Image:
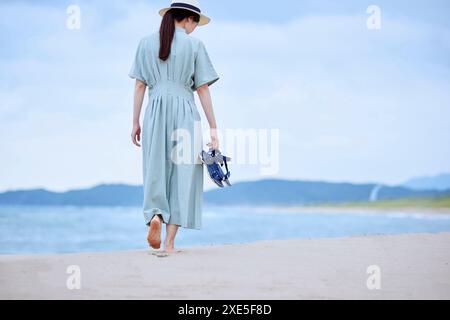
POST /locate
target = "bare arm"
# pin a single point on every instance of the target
(205, 98)
(139, 91)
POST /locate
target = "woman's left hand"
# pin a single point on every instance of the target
(136, 134)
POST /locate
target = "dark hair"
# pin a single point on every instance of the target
(167, 29)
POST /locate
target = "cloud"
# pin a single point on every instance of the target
(350, 103)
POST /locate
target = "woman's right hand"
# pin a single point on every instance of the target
(136, 134)
(214, 144)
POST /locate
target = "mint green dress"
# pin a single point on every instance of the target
(171, 136)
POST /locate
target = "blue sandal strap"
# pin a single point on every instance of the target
(226, 166)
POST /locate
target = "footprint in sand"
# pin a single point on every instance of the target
(160, 254)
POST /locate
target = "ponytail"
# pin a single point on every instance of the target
(167, 29)
(166, 33)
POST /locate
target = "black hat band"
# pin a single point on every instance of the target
(185, 5)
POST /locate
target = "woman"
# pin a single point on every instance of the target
(173, 64)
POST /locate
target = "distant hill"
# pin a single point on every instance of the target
(261, 192)
(104, 194)
(437, 182)
(275, 191)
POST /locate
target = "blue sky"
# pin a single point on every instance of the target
(351, 104)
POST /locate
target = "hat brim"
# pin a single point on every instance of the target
(203, 19)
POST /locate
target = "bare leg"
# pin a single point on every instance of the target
(169, 242)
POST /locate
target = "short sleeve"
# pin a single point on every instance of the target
(204, 72)
(137, 68)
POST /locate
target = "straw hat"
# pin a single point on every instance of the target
(191, 5)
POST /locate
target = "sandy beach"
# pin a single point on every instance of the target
(409, 266)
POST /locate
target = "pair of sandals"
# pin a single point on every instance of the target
(212, 158)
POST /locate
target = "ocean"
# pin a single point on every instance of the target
(64, 229)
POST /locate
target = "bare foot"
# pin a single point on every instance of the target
(172, 250)
(154, 232)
